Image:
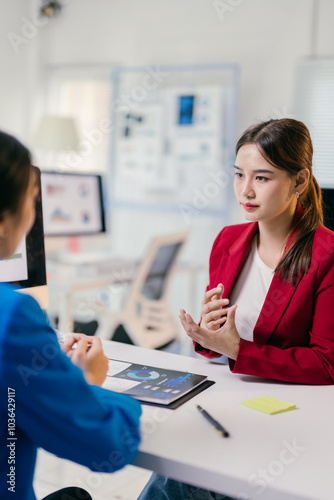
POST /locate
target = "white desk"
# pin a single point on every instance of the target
(285, 456)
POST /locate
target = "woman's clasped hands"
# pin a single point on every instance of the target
(217, 330)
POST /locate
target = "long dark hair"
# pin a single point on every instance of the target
(286, 144)
(15, 171)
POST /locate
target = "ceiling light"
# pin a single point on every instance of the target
(50, 9)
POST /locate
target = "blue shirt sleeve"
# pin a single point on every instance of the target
(55, 406)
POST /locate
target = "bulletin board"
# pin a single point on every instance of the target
(174, 133)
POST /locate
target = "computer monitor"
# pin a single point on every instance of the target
(328, 207)
(26, 268)
(72, 204)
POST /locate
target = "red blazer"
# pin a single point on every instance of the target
(294, 334)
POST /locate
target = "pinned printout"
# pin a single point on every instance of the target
(269, 405)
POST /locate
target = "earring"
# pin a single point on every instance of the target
(297, 194)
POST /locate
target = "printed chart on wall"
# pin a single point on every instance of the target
(166, 151)
(150, 384)
(15, 267)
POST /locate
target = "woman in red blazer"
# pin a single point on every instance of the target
(293, 336)
(283, 259)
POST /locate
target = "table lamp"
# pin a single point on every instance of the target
(54, 137)
(56, 133)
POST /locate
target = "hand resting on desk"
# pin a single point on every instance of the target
(88, 355)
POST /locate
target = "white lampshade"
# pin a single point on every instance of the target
(56, 133)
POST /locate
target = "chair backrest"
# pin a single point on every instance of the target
(146, 315)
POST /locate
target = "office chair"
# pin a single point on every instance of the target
(146, 319)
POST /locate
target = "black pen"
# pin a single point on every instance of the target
(214, 422)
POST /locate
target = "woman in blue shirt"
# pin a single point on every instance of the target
(49, 398)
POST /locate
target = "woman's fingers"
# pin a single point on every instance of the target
(68, 344)
(214, 305)
(82, 347)
(190, 327)
(214, 293)
(184, 317)
(95, 346)
(231, 314)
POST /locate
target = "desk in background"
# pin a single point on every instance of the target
(108, 274)
(67, 278)
(285, 456)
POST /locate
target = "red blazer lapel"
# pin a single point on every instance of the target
(279, 293)
(277, 300)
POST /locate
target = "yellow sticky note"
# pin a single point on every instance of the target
(269, 405)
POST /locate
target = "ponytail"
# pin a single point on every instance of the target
(309, 215)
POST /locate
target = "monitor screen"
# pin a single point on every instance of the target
(26, 268)
(72, 204)
(328, 207)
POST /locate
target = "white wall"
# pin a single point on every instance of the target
(266, 37)
(13, 112)
(21, 85)
(325, 39)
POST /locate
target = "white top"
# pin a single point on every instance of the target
(250, 292)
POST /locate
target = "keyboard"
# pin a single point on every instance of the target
(94, 257)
